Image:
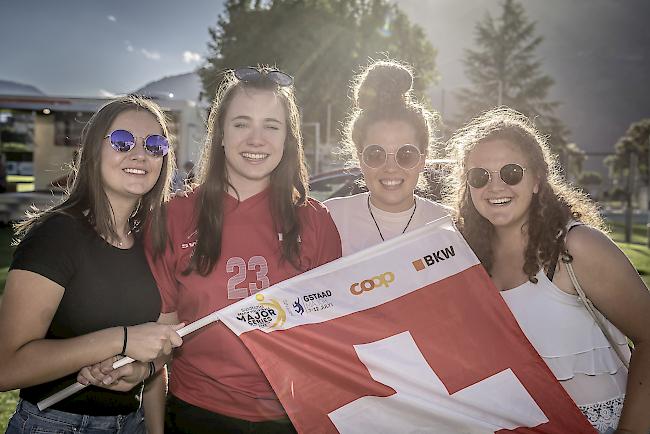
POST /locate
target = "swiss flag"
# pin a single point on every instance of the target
(410, 336)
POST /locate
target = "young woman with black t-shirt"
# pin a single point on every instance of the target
(79, 288)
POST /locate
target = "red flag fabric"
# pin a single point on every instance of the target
(410, 336)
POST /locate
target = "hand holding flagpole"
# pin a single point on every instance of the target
(74, 388)
(190, 328)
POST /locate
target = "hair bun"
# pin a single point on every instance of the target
(383, 83)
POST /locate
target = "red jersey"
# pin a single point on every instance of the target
(213, 369)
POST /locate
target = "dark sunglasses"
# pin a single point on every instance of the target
(249, 73)
(407, 156)
(124, 141)
(511, 174)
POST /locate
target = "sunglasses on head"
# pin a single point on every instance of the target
(250, 73)
(154, 144)
(511, 174)
(407, 156)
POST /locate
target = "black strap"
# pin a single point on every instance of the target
(551, 268)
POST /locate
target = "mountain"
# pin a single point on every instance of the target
(183, 86)
(13, 88)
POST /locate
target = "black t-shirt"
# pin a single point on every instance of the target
(104, 287)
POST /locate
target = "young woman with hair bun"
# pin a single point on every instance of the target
(389, 134)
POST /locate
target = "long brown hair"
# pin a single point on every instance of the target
(551, 208)
(383, 91)
(85, 195)
(289, 180)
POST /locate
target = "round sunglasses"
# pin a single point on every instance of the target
(154, 144)
(511, 174)
(250, 73)
(407, 156)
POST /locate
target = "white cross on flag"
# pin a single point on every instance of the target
(410, 336)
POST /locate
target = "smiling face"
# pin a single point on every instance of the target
(391, 187)
(503, 205)
(127, 176)
(254, 132)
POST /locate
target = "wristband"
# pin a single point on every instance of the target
(126, 338)
(152, 369)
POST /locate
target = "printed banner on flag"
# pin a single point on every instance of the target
(410, 336)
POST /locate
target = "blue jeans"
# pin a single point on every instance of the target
(29, 419)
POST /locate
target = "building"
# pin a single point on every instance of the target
(40, 134)
(45, 131)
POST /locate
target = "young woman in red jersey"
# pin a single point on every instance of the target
(247, 226)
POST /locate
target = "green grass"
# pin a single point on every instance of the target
(639, 255)
(639, 233)
(637, 251)
(8, 403)
(8, 400)
(6, 235)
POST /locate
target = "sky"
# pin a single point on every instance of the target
(597, 51)
(96, 48)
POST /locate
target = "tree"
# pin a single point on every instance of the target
(590, 177)
(572, 158)
(321, 42)
(636, 140)
(504, 70)
(590, 180)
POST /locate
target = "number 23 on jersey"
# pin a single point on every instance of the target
(236, 287)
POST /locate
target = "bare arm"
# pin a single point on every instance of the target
(125, 378)
(26, 358)
(613, 285)
(155, 390)
(153, 401)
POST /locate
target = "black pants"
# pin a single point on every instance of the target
(184, 418)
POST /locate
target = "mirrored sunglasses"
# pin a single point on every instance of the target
(407, 156)
(250, 73)
(154, 144)
(511, 174)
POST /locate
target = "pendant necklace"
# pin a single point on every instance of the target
(415, 206)
(120, 243)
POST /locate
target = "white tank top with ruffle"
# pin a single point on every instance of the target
(575, 349)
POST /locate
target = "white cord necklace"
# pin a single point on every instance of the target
(415, 206)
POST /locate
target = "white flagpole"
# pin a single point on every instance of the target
(74, 388)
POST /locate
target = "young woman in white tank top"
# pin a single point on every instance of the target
(515, 212)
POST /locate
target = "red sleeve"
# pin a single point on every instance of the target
(165, 265)
(328, 241)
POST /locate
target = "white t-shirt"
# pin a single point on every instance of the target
(357, 229)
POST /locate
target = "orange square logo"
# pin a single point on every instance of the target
(418, 265)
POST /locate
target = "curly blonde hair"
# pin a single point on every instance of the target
(551, 208)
